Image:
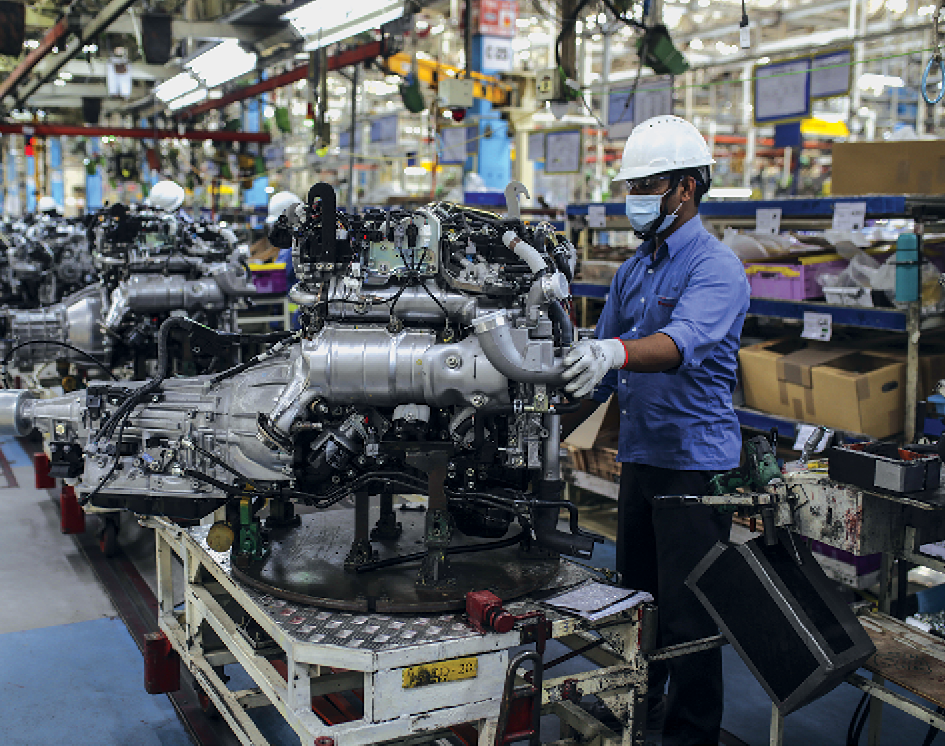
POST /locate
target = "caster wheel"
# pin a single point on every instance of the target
(108, 541)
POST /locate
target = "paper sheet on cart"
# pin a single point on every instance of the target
(935, 550)
(593, 600)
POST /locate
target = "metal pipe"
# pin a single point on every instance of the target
(335, 62)
(354, 129)
(45, 130)
(88, 31)
(52, 37)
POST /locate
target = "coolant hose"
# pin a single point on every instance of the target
(495, 338)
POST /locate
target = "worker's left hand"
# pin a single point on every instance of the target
(588, 362)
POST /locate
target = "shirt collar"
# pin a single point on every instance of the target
(677, 239)
(684, 234)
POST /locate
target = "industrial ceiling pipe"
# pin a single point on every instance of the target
(85, 32)
(53, 37)
(138, 133)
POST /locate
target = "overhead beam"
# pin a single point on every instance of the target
(87, 31)
(138, 133)
(53, 37)
(99, 69)
(335, 62)
(202, 29)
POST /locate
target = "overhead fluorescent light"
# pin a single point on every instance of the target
(324, 22)
(188, 99)
(176, 86)
(224, 62)
(729, 193)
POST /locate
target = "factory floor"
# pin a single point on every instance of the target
(70, 671)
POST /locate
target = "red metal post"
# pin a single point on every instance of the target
(161, 664)
(71, 515)
(41, 470)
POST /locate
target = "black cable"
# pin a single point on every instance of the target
(466, 549)
(856, 715)
(222, 464)
(98, 488)
(566, 23)
(92, 358)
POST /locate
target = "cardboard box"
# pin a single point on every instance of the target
(900, 167)
(931, 364)
(855, 391)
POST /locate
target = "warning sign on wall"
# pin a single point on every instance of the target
(497, 17)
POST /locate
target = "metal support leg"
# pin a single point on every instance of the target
(876, 715)
(387, 526)
(885, 582)
(361, 551)
(776, 737)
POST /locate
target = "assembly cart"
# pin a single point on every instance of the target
(416, 675)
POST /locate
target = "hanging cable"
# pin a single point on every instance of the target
(937, 58)
(9, 355)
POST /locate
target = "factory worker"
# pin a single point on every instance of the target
(667, 345)
(47, 206)
(166, 195)
(280, 202)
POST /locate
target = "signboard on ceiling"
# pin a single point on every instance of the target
(453, 145)
(626, 109)
(497, 54)
(536, 146)
(564, 151)
(497, 17)
(384, 130)
(830, 73)
(781, 91)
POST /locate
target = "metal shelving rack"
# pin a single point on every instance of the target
(798, 213)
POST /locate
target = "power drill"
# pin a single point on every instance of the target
(759, 470)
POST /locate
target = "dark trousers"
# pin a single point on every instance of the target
(657, 548)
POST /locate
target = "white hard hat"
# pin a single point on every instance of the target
(278, 204)
(166, 195)
(661, 144)
(46, 204)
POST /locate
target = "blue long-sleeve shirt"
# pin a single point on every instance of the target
(694, 290)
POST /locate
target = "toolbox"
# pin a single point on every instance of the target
(885, 466)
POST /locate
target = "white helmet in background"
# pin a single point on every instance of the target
(47, 204)
(166, 195)
(278, 204)
(662, 144)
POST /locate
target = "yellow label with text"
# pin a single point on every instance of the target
(456, 669)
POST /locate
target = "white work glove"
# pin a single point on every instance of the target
(588, 362)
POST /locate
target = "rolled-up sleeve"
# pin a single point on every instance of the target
(716, 293)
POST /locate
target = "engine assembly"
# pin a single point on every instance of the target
(43, 261)
(149, 264)
(429, 362)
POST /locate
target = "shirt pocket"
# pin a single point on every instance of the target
(660, 312)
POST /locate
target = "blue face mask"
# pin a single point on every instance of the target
(643, 210)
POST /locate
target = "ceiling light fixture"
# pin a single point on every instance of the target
(223, 62)
(177, 86)
(324, 22)
(188, 99)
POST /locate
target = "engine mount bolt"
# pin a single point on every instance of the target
(453, 362)
(477, 400)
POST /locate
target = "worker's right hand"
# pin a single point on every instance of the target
(589, 361)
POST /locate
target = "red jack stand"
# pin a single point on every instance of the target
(41, 470)
(71, 515)
(161, 664)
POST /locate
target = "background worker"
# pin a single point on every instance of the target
(667, 344)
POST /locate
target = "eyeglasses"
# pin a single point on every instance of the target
(646, 184)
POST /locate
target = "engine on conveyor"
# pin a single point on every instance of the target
(146, 265)
(429, 362)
